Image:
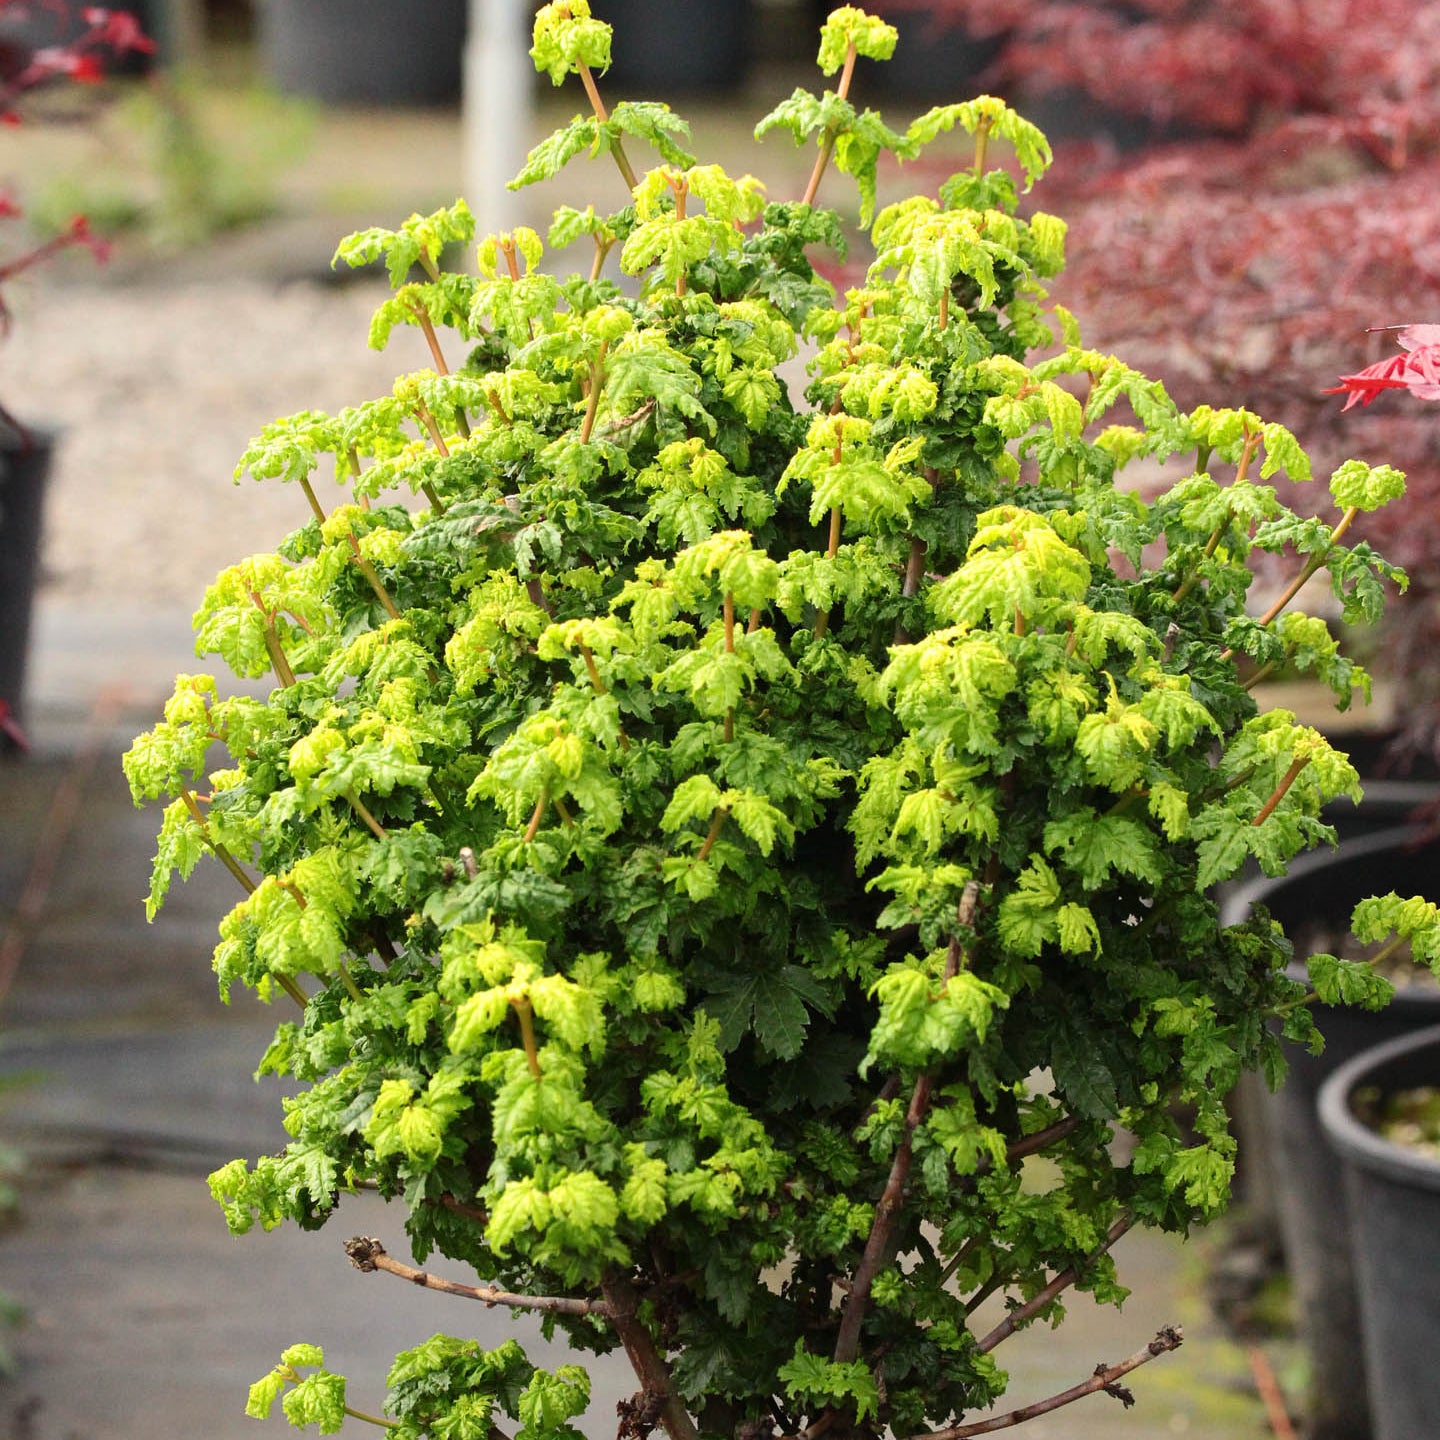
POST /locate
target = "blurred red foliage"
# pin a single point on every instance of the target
(1287, 204)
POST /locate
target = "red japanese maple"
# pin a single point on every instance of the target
(104, 34)
(78, 55)
(1289, 195)
(1416, 369)
(1222, 66)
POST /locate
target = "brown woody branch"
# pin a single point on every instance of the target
(1066, 1278)
(879, 1247)
(1106, 1378)
(367, 1253)
(1042, 1139)
(1018, 1150)
(622, 1306)
(459, 1207)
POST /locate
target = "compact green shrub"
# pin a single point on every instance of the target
(719, 837)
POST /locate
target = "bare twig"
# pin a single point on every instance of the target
(459, 1207)
(367, 1253)
(1106, 1378)
(1063, 1281)
(1042, 1139)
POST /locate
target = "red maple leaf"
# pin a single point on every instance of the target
(87, 69)
(1416, 370)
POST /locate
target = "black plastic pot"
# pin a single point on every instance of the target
(935, 59)
(665, 48)
(1394, 1197)
(374, 52)
(1300, 1166)
(24, 468)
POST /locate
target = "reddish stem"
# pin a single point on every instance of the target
(1286, 781)
(717, 823)
(627, 173)
(827, 146)
(427, 329)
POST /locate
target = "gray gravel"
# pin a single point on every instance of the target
(156, 390)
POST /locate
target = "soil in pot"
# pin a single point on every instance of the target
(1394, 1200)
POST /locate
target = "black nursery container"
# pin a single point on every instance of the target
(665, 48)
(1394, 1199)
(1323, 887)
(24, 468)
(365, 52)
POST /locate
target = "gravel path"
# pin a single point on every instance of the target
(156, 389)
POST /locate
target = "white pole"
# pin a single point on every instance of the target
(497, 109)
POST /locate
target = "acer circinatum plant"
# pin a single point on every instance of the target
(715, 843)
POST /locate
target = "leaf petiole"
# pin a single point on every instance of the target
(827, 145)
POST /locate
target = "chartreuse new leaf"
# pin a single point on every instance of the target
(566, 36)
(1414, 920)
(849, 25)
(1364, 487)
(991, 116)
(419, 241)
(1017, 569)
(317, 1398)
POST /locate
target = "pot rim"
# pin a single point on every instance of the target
(1237, 904)
(41, 434)
(1356, 1143)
